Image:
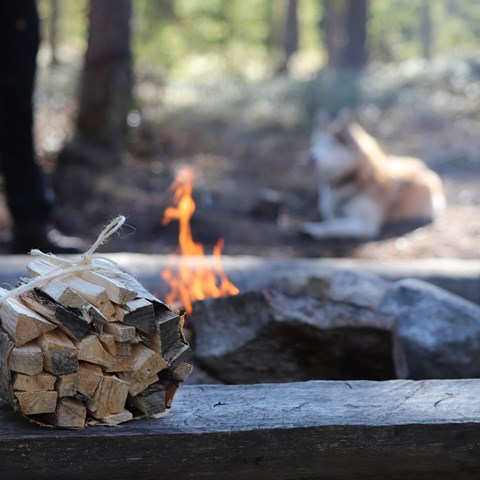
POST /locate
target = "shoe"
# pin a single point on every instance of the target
(27, 236)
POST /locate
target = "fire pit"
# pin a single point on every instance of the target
(340, 429)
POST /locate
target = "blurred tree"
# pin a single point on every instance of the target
(106, 81)
(105, 96)
(333, 30)
(344, 28)
(426, 30)
(355, 53)
(53, 31)
(290, 34)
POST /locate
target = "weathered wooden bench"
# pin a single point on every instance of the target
(311, 430)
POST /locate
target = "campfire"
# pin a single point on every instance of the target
(207, 279)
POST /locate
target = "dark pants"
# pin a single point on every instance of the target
(24, 183)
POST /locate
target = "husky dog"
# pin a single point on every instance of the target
(361, 187)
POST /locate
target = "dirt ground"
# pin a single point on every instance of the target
(248, 147)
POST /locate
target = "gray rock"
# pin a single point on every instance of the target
(265, 336)
(361, 288)
(439, 331)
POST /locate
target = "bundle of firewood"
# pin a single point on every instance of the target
(89, 346)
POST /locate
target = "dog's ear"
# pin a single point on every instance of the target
(343, 134)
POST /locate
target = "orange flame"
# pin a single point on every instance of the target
(189, 284)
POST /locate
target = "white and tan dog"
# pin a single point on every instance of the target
(361, 187)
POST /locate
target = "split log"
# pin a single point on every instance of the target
(20, 322)
(69, 413)
(150, 401)
(109, 397)
(34, 403)
(67, 385)
(135, 385)
(60, 355)
(95, 294)
(91, 350)
(27, 359)
(139, 313)
(89, 377)
(120, 331)
(74, 325)
(34, 383)
(268, 337)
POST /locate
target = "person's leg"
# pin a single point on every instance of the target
(24, 185)
(26, 192)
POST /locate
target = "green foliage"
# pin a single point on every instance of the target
(191, 38)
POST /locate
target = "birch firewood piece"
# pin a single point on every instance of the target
(34, 403)
(89, 377)
(117, 418)
(67, 385)
(74, 325)
(69, 413)
(88, 347)
(95, 294)
(60, 356)
(34, 383)
(91, 350)
(20, 322)
(117, 292)
(109, 397)
(139, 313)
(27, 359)
(120, 331)
(151, 401)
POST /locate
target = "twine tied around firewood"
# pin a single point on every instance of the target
(66, 266)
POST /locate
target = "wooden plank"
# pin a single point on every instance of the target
(400, 430)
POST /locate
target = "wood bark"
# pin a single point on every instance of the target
(357, 430)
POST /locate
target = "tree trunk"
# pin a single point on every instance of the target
(333, 30)
(104, 100)
(426, 30)
(355, 54)
(52, 32)
(106, 82)
(290, 34)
